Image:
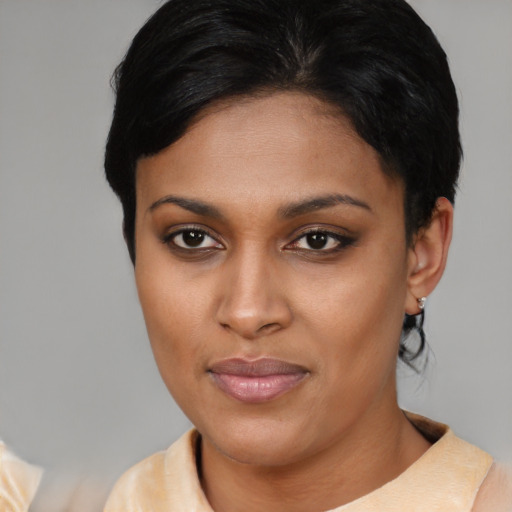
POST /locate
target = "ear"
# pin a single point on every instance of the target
(428, 254)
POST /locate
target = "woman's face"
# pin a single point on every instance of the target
(272, 267)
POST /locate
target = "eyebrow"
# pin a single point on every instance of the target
(192, 205)
(318, 203)
(288, 211)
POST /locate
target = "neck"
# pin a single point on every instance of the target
(376, 450)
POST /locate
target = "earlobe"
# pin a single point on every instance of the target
(428, 255)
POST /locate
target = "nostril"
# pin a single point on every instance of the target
(268, 328)
(250, 331)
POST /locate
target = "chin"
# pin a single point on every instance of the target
(266, 443)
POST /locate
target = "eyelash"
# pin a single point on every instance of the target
(169, 239)
(342, 241)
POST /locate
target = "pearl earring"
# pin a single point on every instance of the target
(421, 302)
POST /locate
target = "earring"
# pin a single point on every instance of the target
(413, 322)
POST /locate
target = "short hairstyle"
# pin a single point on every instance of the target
(375, 60)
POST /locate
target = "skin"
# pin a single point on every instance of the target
(256, 288)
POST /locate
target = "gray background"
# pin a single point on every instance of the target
(79, 391)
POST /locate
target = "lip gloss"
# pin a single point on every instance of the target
(256, 381)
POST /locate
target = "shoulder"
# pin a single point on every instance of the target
(495, 493)
(18, 482)
(164, 481)
(138, 488)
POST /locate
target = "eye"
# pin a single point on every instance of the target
(192, 239)
(321, 241)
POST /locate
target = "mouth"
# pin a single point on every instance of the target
(256, 381)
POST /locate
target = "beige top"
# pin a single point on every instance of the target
(446, 478)
(18, 482)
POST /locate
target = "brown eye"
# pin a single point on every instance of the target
(317, 240)
(194, 239)
(321, 242)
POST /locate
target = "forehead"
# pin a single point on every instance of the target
(280, 147)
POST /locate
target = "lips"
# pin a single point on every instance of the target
(256, 381)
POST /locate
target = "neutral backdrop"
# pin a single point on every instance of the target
(79, 391)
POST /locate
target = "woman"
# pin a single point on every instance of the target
(287, 170)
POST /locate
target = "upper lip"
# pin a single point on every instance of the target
(256, 368)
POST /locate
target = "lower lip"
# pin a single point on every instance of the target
(256, 389)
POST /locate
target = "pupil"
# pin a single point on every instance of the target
(193, 238)
(317, 240)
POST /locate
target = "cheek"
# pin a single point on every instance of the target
(174, 313)
(356, 313)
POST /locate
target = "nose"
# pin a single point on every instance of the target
(253, 299)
